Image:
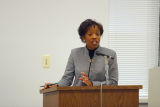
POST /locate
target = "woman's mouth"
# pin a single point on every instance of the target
(94, 42)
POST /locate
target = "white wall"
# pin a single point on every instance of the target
(32, 28)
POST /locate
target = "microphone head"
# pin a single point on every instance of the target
(101, 54)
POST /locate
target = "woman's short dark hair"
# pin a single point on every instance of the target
(83, 28)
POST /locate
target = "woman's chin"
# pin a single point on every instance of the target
(94, 46)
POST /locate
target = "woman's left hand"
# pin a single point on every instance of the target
(85, 79)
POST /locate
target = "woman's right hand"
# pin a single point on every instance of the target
(85, 79)
(47, 86)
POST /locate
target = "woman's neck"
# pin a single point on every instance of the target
(91, 52)
(91, 49)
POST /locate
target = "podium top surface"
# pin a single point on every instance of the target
(80, 88)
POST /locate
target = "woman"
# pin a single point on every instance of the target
(91, 65)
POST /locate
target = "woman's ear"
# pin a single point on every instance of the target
(83, 39)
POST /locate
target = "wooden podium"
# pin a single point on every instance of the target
(95, 96)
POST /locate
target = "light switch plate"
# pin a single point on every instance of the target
(46, 61)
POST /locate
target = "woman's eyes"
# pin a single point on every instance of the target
(97, 34)
(90, 34)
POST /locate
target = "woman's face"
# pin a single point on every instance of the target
(92, 37)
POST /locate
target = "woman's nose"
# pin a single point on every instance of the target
(94, 36)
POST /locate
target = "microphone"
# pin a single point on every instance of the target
(49, 85)
(101, 54)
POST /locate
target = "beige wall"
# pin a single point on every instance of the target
(154, 88)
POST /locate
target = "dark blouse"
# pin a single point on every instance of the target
(91, 53)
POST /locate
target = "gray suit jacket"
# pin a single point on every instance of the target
(79, 61)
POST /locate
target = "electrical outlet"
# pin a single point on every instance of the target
(46, 61)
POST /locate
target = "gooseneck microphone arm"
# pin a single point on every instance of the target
(101, 54)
